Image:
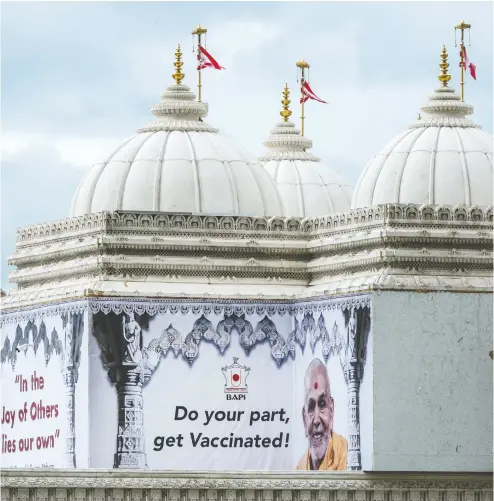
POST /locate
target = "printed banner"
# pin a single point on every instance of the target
(183, 385)
(43, 382)
(231, 387)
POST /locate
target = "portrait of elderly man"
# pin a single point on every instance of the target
(327, 450)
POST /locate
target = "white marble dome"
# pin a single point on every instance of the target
(443, 158)
(307, 187)
(178, 163)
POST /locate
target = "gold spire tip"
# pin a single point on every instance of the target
(302, 64)
(178, 76)
(199, 30)
(444, 77)
(285, 112)
(463, 26)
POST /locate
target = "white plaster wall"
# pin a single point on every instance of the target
(433, 381)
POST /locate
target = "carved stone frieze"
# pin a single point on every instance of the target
(346, 485)
(110, 221)
(387, 246)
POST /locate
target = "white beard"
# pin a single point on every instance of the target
(319, 447)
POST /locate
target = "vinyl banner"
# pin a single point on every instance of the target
(43, 381)
(231, 387)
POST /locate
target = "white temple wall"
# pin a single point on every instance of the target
(433, 381)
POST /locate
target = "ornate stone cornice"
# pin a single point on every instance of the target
(356, 250)
(225, 485)
(444, 122)
(288, 155)
(275, 226)
(445, 109)
(285, 138)
(178, 125)
(178, 110)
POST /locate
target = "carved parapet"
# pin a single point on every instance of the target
(151, 221)
(22, 485)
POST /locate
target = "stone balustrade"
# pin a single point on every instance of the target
(132, 485)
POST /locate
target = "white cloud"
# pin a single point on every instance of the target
(239, 37)
(12, 144)
(78, 152)
(84, 152)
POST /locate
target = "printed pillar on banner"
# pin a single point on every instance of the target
(353, 355)
(129, 369)
(73, 326)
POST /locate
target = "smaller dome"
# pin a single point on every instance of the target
(307, 187)
(443, 158)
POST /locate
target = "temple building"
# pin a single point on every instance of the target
(206, 324)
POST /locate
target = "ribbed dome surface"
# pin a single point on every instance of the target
(441, 159)
(178, 164)
(307, 187)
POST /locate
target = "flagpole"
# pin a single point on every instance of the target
(199, 32)
(303, 65)
(462, 27)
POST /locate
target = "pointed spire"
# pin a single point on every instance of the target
(285, 112)
(178, 108)
(178, 76)
(444, 77)
(445, 108)
(285, 141)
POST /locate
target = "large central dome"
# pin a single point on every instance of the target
(178, 163)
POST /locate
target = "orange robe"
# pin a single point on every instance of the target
(334, 459)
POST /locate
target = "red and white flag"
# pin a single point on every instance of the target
(468, 64)
(307, 93)
(206, 60)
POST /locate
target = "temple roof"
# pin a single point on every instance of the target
(178, 163)
(442, 158)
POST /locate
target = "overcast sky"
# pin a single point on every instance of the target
(78, 78)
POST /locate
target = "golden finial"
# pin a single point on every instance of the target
(200, 30)
(443, 77)
(463, 26)
(419, 117)
(302, 64)
(178, 76)
(285, 112)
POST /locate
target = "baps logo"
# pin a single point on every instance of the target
(236, 380)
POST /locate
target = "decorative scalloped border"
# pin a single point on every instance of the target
(43, 310)
(184, 306)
